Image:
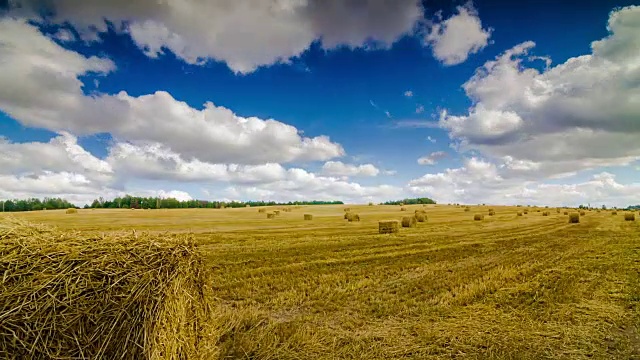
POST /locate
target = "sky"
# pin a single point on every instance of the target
(498, 102)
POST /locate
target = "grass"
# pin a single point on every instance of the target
(284, 288)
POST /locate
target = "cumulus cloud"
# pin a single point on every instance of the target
(408, 93)
(235, 31)
(480, 181)
(419, 109)
(454, 39)
(338, 168)
(39, 87)
(432, 158)
(578, 115)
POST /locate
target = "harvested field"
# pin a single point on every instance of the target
(530, 287)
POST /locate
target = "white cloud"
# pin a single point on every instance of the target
(408, 93)
(64, 35)
(453, 40)
(419, 109)
(581, 114)
(338, 168)
(479, 181)
(39, 87)
(432, 158)
(235, 31)
(431, 140)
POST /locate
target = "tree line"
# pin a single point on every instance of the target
(139, 202)
(415, 201)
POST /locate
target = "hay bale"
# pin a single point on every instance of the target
(574, 218)
(478, 217)
(271, 215)
(421, 217)
(388, 226)
(519, 213)
(262, 210)
(277, 212)
(403, 209)
(118, 296)
(467, 209)
(582, 213)
(409, 221)
(526, 212)
(566, 213)
(347, 210)
(491, 213)
(614, 213)
(353, 217)
(71, 211)
(545, 213)
(491, 210)
(308, 217)
(630, 217)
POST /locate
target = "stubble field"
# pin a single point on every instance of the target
(523, 287)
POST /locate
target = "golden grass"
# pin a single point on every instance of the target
(409, 221)
(69, 295)
(535, 288)
(388, 226)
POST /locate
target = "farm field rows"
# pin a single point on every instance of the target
(526, 287)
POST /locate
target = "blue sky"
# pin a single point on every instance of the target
(354, 101)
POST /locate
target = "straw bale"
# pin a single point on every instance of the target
(478, 217)
(308, 217)
(388, 226)
(409, 221)
(574, 218)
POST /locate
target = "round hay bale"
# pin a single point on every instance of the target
(421, 217)
(582, 213)
(526, 212)
(566, 213)
(467, 209)
(478, 217)
(491, 213)
(277, 212)
(403, 209)
(574, 218)
(409, 221)
(388, 226)
(545, 213)
(353, 217)
(271, 215)
(347, 209)
(119, 296)
(262, 210)
(630, 217)
(614, 213)
(491, 210)
(519, 213)
(308, 217)
(71, 211)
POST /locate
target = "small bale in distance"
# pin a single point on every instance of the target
(491, 213)
(388, 226)
(614, 213)
(403, 209)
(276, 212)
(526, 212)
(478, 217)
(71, 211)
(630, 217)
(353, 217)
(582, 213)
(566, 213)
(467, 209)
(262, 210)
(409, 221)
(492, 210)
(519, 213)
(545, 213)
(574, 218)
(308, 217)
(271, 215)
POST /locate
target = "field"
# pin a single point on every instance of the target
(525, 287)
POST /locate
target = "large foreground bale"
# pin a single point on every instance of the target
(409, 221)
(388, 226)
(574, 218)
(126, 296)
(630, 217)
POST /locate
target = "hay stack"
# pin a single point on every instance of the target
(347, 210)
(630, 217)
(409, 221)
(614, 213)
(71, 211)
(526, 212)
(121, 296)
(566, 213)
(403, 209)
(308, 217)
(467, 209)
(352, 217)
(491, 213)
(492, 210)
(545, 213)
(582, 213)
(574, 218)
(421, 216)
(262, 210)
(271, 215)
(519, 213)
(388, 226)
(277, 212)
(478, 217)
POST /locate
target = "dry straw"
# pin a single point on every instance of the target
(403, 209)
(262, 210)
(388, 226)
(277, 212)
(467, 209)
(566, 213)
(352, 217)
(630, 217)
(582, 213)
(519, 213)
(271, 215)
(71, 211)
(308, 217)
(614, 213)
(122, 296)
(574, 218)
(545, 213)
(478, 217)
(421, 217)
(409, 221)
(491, 213)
